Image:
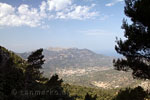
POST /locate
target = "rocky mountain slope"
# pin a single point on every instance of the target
(72, 58)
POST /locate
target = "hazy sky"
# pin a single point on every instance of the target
(31, 24)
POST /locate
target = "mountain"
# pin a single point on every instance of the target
(101, 81)
(72, 58)
(82, 69)
(85, 68)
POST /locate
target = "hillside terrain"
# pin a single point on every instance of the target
(71, 58)
(105, 77)
(85, 68)
(6, 55)
(101, 83)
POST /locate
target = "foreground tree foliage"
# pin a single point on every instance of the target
(89, 97)
(11, 76)
(17, 82)
(137, 93)
(23, 80)
(33, 76)
(136, 47)
(88, 93)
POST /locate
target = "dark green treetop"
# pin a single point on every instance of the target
(89, 97)
(33, 75)
(36, 59)
(136, 47)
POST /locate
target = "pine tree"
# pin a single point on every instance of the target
(33, 74)
(54, 84)
(136, 47)
(137, 93)
(11, 76)
(89, 97)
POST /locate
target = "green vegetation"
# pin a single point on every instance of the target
(23, 80)
(26, 82)
(135, 48)
(131, 94)
(18, 61)
(11, 73)
(80, 92)
(117, 80)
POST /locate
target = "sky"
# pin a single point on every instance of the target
(26, 25)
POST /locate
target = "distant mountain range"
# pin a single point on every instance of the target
(72, 58)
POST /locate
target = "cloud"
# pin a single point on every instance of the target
(24, 15)
(113, 3)
(77, 12)
(30, 17)
(65, 9)
(58, 4)
(43, 8)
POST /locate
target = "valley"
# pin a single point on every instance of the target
(83, 67)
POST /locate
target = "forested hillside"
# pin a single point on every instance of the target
(84, 67)
(22, 80)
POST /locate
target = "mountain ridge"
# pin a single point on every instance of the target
(72, 57)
